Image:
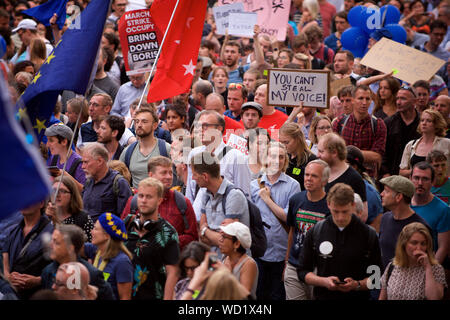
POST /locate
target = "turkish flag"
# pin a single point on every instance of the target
(176, 65)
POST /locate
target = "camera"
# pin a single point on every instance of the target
(212, 259)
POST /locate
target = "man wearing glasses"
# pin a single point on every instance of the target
(233, 166)
(119, 7)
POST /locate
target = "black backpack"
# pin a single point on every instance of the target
(72, 168)
(343, 122)
(259, 240)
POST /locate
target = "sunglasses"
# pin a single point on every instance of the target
(238, 86)
(408, 88)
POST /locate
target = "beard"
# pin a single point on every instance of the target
(143, 134)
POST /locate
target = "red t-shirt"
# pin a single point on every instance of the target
(327, 11)
(232, 126)
(273, 123)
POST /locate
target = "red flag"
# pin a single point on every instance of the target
(176, 64)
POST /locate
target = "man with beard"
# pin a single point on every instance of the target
(136, 155)
(154, 244)
(109, 133)
(363, 130)
(343, 66)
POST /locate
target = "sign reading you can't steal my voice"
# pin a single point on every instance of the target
(289, 87)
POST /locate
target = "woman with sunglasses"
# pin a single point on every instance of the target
(191, 257)
(68, 206)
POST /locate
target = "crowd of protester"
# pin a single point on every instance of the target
(151, 201)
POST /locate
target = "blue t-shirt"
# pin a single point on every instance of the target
(303, 215)
(118, 270)
(442, 192)
(437, 215)
(373, 202)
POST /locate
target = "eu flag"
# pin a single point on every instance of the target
(45, 11)
(24, 179)
(68, 67)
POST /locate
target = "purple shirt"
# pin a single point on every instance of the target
(78, 174)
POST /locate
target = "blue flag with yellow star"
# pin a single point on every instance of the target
(24, 179)
(68, 67)
(45, 11)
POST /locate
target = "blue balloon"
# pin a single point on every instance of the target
(354, 39)
(354, 16)
(371, 20)
(392, 14)
(398, 32)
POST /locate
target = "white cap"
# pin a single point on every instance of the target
(240, 231)
(26, 24)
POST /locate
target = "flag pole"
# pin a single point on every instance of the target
(157, 55)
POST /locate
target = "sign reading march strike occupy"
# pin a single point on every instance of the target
(139, 40)
(289, 87)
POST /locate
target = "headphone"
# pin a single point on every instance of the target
(147, 225)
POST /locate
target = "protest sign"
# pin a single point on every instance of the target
(238, 143)
(287, 87)
(241, 24)
(409, 64)
(139, 40)
(273, 15)
(221, 14)
(336, 85)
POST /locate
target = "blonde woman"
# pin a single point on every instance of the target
(291, 135)
(414, 273)
(271, 193)
(110, 255)
(432, 127)
(320, 125)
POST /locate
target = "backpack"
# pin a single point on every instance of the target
(161, 146)
(259, 239)
(180, 201)
(343, 122)
(72, 168)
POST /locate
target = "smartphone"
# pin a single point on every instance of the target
(212, 259)
(54, 171)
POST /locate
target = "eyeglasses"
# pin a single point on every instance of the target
(205, 126)
(224, 236)
(408, 88)
(61, 191)
(235, 86)
(190, 268)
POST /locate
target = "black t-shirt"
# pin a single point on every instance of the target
(298, 172)
(303, 215)
(390, 228)
(352, 178)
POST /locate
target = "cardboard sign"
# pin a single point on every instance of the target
(287, 87)
(238, 143)
(241, 24)
(221, 15)
(412, 64)
(336, 85)
(273, 15)
(139, 40)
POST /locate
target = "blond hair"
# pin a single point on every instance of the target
(222, 285)
(294, 131)
(153, 183)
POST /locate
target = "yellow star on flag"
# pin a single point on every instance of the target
(22, 112)
(40, 125)
(36, 77)
(49, 58)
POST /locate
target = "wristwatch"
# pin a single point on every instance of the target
(359, 286)
(203, 231)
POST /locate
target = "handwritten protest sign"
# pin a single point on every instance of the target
(238, 143)
(242, 24)
(411, 64)
(287, 87)
(221, 15)
(273, 15)
(139, 40)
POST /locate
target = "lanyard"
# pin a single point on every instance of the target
(102, 265)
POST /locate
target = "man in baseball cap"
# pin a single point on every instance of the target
(27, 31)
(251, 114)
(396, 197)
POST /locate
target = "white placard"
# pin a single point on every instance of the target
(287, 87)
(238, 143)
(241, 24)
(221, 14)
